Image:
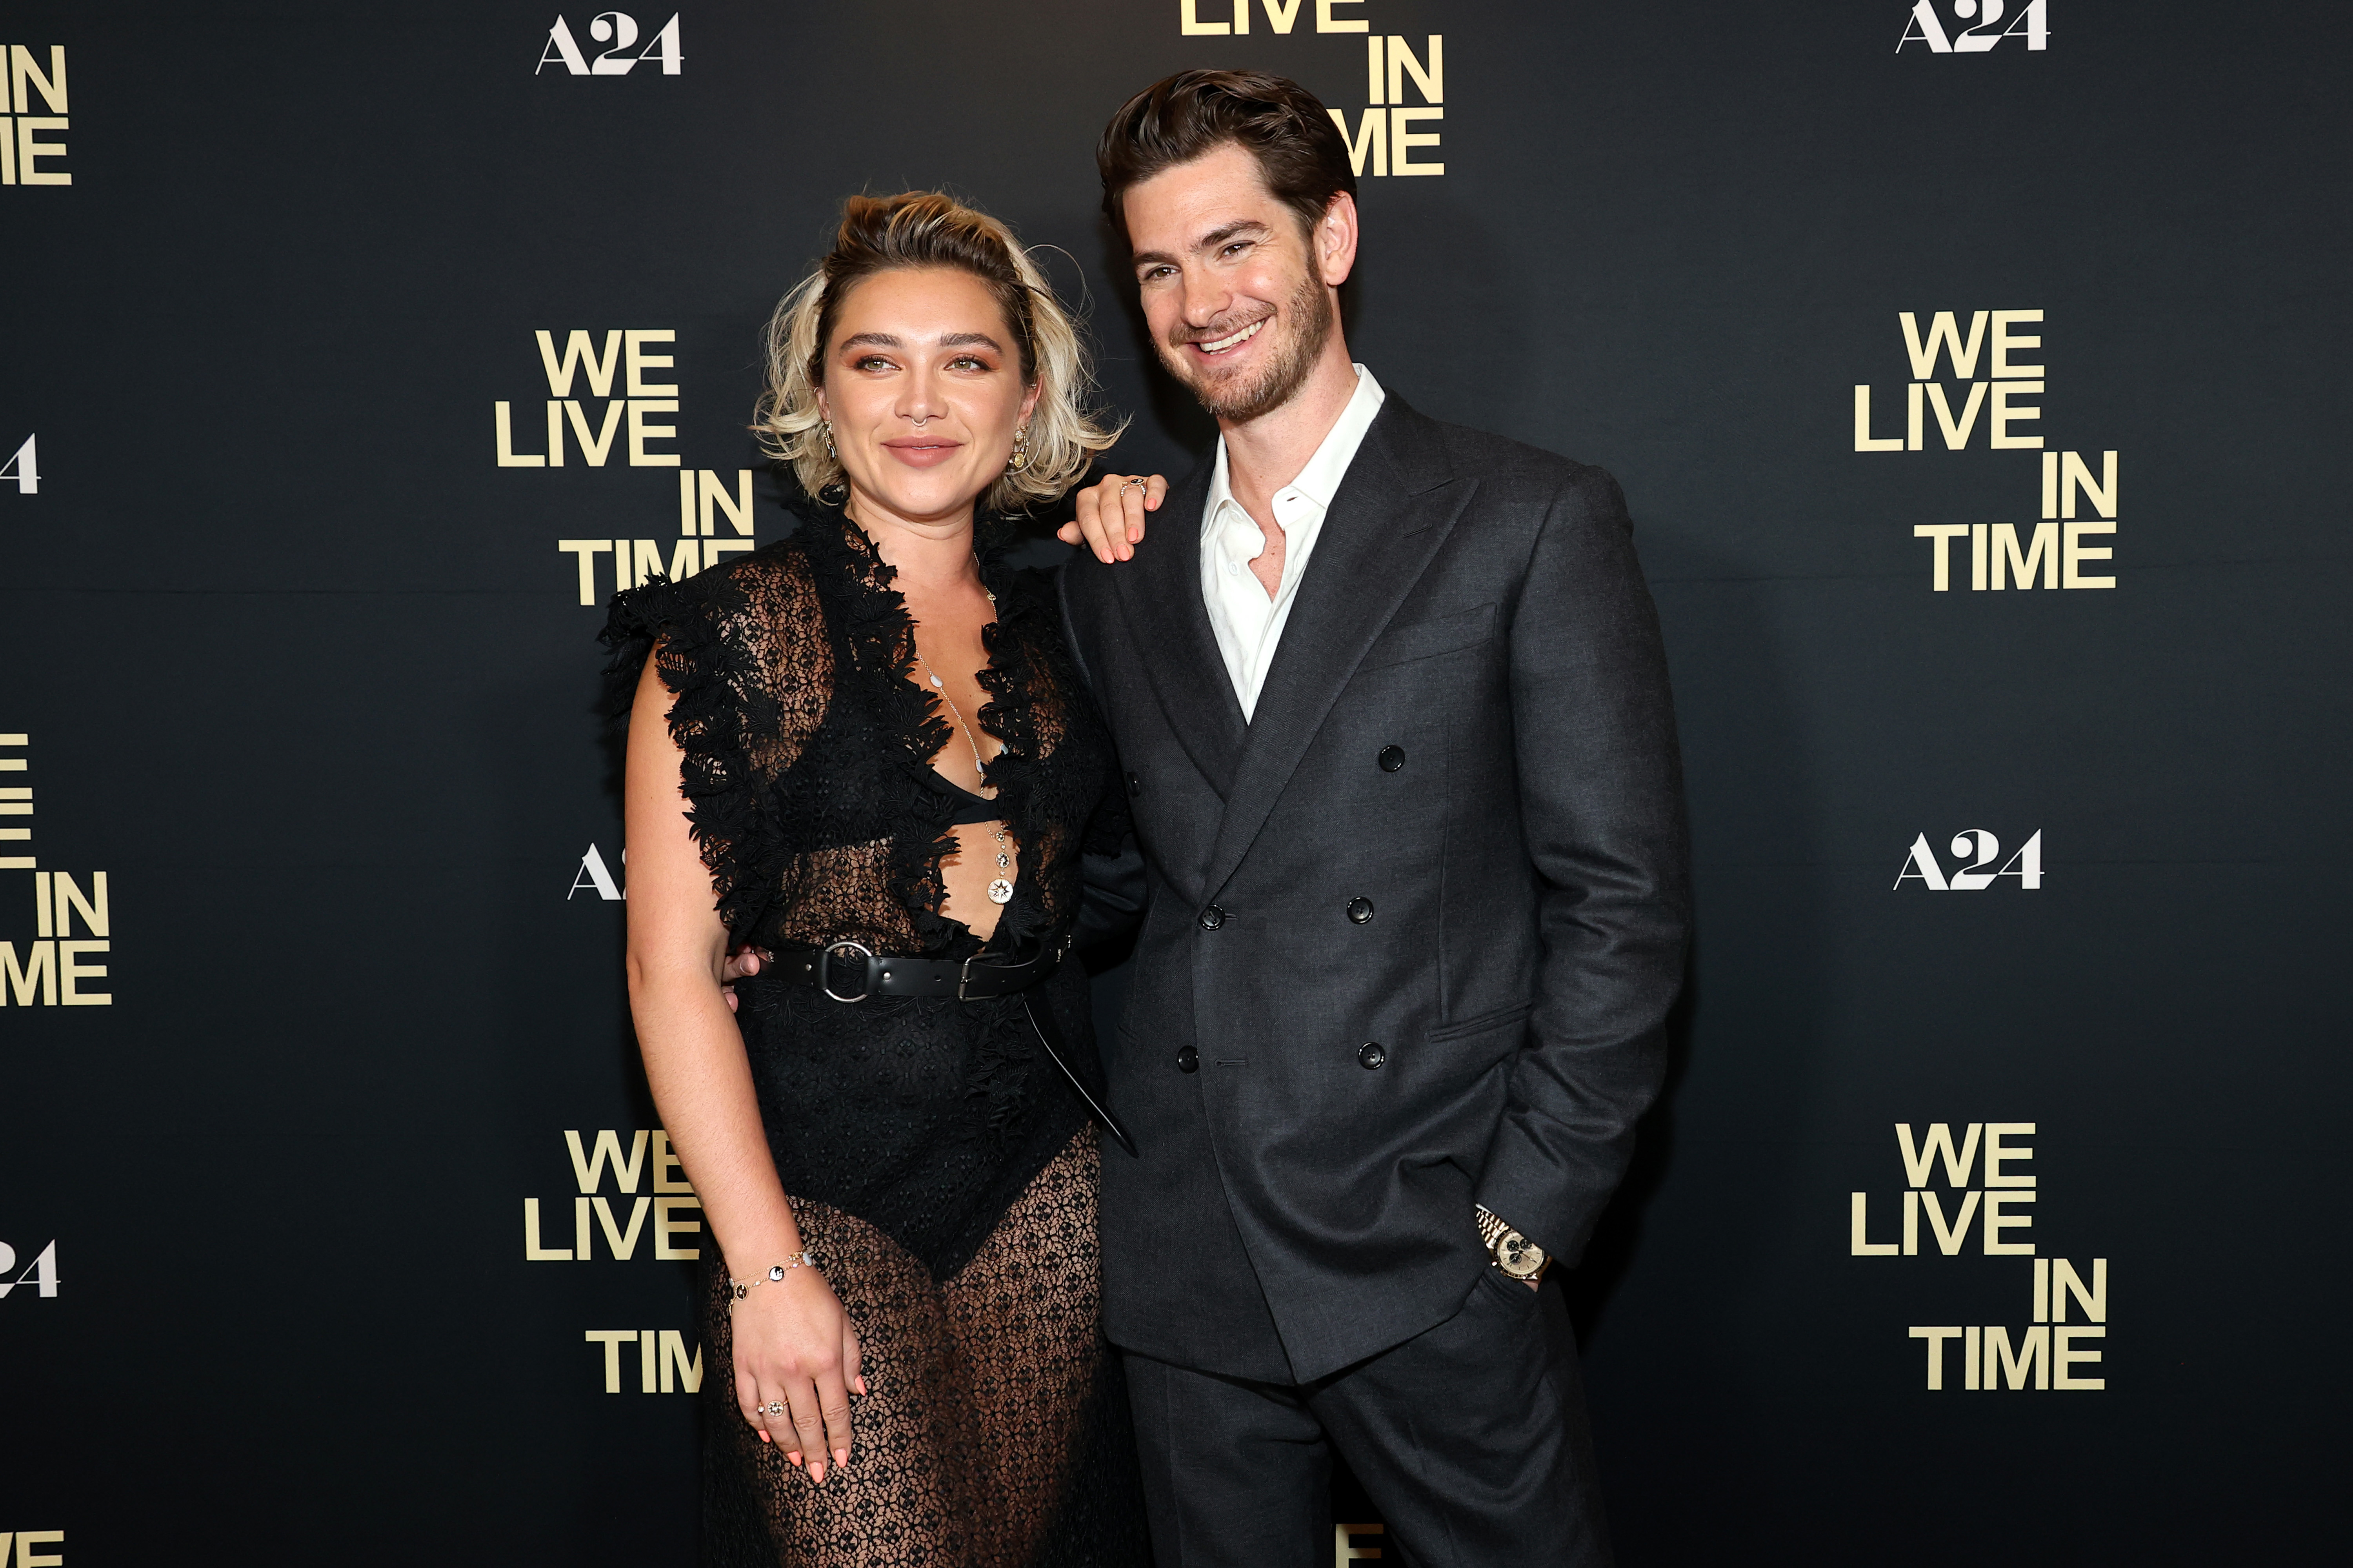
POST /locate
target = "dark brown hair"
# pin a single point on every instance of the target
(1300, 151)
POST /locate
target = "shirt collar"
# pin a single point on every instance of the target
(1319, 481)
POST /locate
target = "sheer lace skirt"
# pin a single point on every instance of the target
(996, 1431)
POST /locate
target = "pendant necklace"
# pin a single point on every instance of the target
(1001, 890)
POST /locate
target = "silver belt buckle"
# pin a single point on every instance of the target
(824, 980)
(964, 975)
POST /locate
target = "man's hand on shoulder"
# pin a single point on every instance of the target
(1111, 515)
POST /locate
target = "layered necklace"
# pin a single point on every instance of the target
(1000, 889)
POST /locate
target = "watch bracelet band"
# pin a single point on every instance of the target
(739, 1289)
(1492, 1229)
(1491, 1225)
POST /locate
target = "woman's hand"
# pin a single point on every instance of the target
(795, 1348)
(1111, 515)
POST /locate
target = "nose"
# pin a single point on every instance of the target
(919, 398)
(1206, 296)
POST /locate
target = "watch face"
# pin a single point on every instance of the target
(1518, 1256)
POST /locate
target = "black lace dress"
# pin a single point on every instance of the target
(941, 1169)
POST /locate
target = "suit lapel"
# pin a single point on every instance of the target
(1395, 508)
(1160, 595)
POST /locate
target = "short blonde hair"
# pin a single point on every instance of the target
(927, 228)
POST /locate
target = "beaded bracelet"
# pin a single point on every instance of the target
(739, 1289)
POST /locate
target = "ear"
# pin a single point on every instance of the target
(1336, 240)
(825, 409)
(1029, 402)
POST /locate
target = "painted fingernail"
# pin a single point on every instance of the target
(841, 1456)
(793, 1457)
(861, 1385)
(764, 1437)
(816, 1472)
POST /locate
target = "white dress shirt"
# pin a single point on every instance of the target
(1248, 624)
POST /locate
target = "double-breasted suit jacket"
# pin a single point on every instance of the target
(1410, 934)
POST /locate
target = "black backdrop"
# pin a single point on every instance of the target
(301, 671)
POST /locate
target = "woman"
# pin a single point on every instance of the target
(864, 751)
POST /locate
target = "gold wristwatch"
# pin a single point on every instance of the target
(1514, 1254)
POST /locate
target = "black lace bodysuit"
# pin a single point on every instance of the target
(941, 1171)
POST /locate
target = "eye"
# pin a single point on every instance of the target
(1153, 274)
(970, 362)
(870, 361)
(1235, 248)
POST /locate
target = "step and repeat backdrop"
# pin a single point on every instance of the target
(1975, 373)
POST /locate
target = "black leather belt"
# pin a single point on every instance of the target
(852, 963)
(982, 976)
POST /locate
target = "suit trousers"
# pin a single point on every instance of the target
(1470, 1438)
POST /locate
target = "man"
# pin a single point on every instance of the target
(1394, 714)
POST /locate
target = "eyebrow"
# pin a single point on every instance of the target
(946, 341)
(1209, 241)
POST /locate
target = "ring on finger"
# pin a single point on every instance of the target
(1130, 485)
(772, 1408)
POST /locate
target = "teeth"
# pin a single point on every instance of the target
(1221, 345)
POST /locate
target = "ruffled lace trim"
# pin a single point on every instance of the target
(871, 625)
(715, 714)
(874, 623)
(761, 825)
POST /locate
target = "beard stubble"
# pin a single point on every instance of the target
(1309, 311)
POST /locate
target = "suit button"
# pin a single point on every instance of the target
(1359, 911)
(1136, 785)
(1369, 1056)
(1391, 759)
(1188, 1060)
(1211, 919)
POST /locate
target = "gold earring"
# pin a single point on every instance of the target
(1020, 458)
(828, 442)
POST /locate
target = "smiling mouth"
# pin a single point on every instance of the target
(1235, 341)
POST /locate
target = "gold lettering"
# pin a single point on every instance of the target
(640, 433)
(1371, 140)
(1402, 140)
(1189, 24)
(640, 362)
(1432, 80)
(508, 457)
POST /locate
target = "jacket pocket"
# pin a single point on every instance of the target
(1428, 639)
(1510, 1293)
(1485, 1022)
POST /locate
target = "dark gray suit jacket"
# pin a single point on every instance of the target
(1476, 605)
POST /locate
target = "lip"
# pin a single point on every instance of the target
(1246, 335)
(923, 451)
